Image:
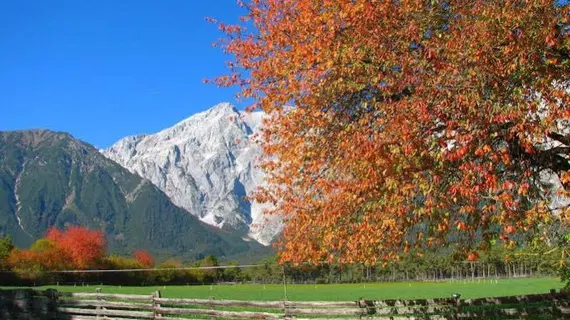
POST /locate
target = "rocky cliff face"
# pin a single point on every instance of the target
(206, 164)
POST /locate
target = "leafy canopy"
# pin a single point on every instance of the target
(414, 123)
(144, 258)
(82, 247)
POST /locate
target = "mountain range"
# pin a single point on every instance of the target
(52, 179)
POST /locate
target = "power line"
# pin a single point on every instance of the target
(149, 269)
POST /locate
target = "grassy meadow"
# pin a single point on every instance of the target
(340, 292)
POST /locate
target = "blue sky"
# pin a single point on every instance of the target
(102, 70)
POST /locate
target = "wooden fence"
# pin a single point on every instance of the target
(29, 304)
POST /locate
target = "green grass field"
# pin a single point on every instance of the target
(341, 292)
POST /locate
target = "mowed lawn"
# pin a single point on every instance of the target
(340, 292)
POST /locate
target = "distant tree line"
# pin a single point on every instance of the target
(497, 262)
(80, 249)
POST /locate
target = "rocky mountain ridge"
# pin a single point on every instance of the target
(206, 164)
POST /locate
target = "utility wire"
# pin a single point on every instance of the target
(148, 269)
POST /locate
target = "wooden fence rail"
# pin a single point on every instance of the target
(50, 304)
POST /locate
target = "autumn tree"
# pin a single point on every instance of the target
(168, 274)
(26, 263)
(208, 275)
(407, 124)
(83, 248)
(73, 248)
(50, 255)
(144, 258)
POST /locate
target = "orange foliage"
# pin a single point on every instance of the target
(50, 255)
(413, 124)
(74, 248)
(24, 259)
(43, 255)
(144, 258)
(83, 248)
(473, 256)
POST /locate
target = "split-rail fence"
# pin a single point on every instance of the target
(51, 304)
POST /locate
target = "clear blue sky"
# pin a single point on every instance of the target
(102, 70)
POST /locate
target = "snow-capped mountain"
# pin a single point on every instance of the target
(206, 164)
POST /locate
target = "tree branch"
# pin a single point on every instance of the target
(560, 138)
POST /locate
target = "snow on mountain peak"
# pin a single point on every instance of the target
(205, 164)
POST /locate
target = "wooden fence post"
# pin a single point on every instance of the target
(99, 308)
(285, 316)
(53, 296)
(23, 302)
(459, 307)
(155, 305)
